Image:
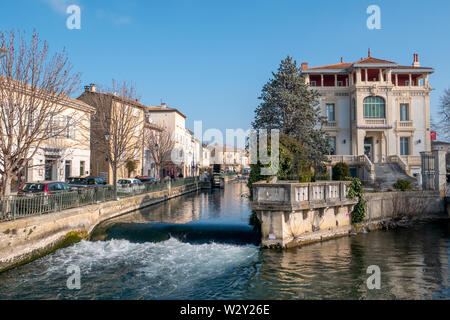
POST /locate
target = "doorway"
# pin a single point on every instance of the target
(368, 147)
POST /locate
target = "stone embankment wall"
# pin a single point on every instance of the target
(388, 207)
(28, 238)
(293, 214)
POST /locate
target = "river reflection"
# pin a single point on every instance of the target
(132, 263)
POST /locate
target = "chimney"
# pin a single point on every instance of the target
(304, 66)
(342, 59)
(93, 87)
(416, 62)
(87, 88)
(163, 105)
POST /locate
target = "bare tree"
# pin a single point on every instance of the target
(117, 126)
(159, 142)
(444, 113)
(34, 90)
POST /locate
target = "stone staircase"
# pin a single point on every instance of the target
(389, 173)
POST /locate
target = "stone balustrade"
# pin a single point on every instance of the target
(290, 211)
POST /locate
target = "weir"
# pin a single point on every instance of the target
(294, 213)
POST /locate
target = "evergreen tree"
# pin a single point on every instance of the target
(288, 104)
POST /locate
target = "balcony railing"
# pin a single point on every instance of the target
(300, 195)
(404, 124)
(375, 122)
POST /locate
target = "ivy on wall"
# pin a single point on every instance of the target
(355, 191)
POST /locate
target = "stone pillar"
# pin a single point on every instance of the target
(440, 176)
(335, 80)
(321, 80)
(358, 76)
(389, 76)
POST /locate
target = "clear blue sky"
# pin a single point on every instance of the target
(211, 58)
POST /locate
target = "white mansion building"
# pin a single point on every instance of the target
(377, 111)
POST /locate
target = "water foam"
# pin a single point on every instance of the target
(119, 269)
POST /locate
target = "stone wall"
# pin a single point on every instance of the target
(293, 214)
(28, 238)
(383, 206)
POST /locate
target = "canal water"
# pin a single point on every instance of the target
(201, 246)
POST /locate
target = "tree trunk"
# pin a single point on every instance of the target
(6, 187)
(115, 180)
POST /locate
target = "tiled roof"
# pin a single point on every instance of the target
(163, 109)
(333, 66)
(368, 61)
(374, 60)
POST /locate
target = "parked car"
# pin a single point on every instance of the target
(40, 196)
(49, 187)
(146, 179)
(130, 185)
(84, 183)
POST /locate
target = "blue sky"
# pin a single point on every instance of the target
(211, 58)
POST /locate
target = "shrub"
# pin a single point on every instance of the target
(322, 177)
(341, 171)
(355, 191)
(403, 185)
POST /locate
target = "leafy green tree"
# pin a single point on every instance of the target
(290, 105)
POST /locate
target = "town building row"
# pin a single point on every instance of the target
(79, 149)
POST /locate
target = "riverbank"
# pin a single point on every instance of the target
(27, 239)
(131, 264)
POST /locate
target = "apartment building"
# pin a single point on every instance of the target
(101, 139)
(172, 120)
(67, 153)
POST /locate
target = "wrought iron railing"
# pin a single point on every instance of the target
(16, 206)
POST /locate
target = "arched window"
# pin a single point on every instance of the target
(374, 107)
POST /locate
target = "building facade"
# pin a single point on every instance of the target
(172, 120)
(377, 111)
(99, 141)
(67, 154)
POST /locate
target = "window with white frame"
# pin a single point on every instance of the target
(332, 144)
(404, 146)
(374, 107)
(404, 112)
(331, 116)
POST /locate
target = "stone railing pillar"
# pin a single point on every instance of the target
(440, 175)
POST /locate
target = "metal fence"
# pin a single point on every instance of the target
(15, 207)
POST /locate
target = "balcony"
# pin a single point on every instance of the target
(375, 122)
(404, 125)
(331, 124)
